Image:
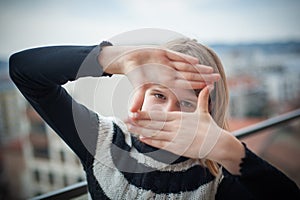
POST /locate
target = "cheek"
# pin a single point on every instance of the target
(192, 109)
(151, 104)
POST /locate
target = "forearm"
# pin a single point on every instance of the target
(112, 58)
(39, 74)
(50, 66)
(120, 59)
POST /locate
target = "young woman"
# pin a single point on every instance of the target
(175, 144)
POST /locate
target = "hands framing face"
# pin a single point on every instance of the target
(191, 134)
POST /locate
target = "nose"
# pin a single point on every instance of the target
(166, 107)
(171, 106)
(157, 107)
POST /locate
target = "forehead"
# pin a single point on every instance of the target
(178, 92)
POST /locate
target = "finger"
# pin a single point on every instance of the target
(168, 145)
(181, 66)
(154, 125)
(151, 124)
(161, 144)
(156, 115)
(211, 77)
(185, 84)
(147, 132)
(191, 76)
(138, 100)
(192, 84)
(176, 56)
(203, 99)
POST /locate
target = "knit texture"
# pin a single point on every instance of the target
(125, 168)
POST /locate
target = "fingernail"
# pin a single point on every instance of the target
(141, 137)
(210, 88)
(133, 114)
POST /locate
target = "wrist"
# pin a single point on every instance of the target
(106, 58)
(229, 152)
(115, 59)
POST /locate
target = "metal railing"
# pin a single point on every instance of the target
(68, 192)
(79, 189)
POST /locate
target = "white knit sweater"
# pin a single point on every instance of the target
(124, 172)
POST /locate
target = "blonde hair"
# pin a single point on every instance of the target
(219, 96)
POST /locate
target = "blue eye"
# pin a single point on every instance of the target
(160, 96)
(186, 104)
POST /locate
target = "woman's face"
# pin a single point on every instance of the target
(160, 98)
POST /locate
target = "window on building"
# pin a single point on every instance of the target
(62, 156)
(38, 127)
(51, 178)
(36, 175)
(41, 152)
(79, 179)
(4, 128)
(65, 180)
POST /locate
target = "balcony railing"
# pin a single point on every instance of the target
(80, 189)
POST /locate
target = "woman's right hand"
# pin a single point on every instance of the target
(147, 65)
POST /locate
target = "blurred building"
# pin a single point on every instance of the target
(263, 78)
(12, 123)
(264, 81)
(247, 99)
(283, 81)
(33, 159)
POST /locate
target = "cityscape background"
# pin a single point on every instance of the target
(258, 42)
(264, 81)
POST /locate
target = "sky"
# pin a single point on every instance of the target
(31, 23)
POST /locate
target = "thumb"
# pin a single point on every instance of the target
(138, 100)
(203, 99)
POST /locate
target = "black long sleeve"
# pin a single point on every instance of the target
(258, 180)
(39, 74)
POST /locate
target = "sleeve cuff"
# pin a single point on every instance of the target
(252, 164)
(90, 66)
(101, 45)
